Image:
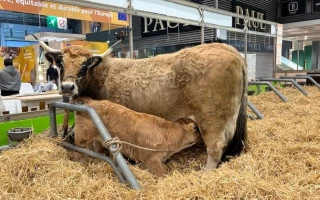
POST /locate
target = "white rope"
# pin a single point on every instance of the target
(119, 143)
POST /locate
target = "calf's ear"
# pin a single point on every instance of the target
(192, 127)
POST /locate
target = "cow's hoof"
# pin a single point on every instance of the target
(211, 165)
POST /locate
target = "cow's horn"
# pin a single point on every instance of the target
(106, 53)
(44, 46)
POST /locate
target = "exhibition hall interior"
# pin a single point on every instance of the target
(159, 99)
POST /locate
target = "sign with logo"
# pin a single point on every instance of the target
(315, 6)
(250, 11)
(293, 8)
(122, 16)
(63, 10)
(57, 22)
(152, 27)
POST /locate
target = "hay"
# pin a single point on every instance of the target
(282, 162)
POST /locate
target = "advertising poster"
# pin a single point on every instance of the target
(23, 59)
(63, 10)
(94, 47)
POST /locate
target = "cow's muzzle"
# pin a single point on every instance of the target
(69, 89)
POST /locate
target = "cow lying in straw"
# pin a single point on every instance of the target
(207, 83)
(140, 129)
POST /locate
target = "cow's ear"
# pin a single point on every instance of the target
(92, 62)
(50, 57)
(89, 64)
(54, 57)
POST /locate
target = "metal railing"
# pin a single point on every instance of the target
(120, 166)
(287, 80)
(302, 77)
(258, 83)
(255, 110)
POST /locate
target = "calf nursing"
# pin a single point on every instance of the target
(207, 83)
(136, 128)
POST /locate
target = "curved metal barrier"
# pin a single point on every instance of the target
(120, 166)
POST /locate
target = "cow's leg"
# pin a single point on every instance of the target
(155, 165)
(214, 138)
(230, 131)
(65, 123)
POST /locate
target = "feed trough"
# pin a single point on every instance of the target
(20, 133)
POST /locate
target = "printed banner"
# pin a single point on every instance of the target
(94, 47)
(63, 10)
(23, 59)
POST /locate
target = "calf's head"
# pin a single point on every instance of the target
(191, 131)
(75, 64)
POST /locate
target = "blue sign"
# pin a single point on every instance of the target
(122, 16)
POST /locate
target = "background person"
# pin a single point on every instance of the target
(50, 85)
(10, 79)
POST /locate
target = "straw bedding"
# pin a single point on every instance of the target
(282, 162)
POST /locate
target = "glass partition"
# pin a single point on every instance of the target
(298, 55)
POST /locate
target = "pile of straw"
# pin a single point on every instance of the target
(282, 162)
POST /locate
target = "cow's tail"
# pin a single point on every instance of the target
(239, 141)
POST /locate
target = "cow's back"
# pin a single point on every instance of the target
(167, 85)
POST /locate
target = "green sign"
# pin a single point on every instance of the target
(52, 22)
(56, 22)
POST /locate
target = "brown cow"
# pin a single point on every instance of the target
(207, 83)
(137, 128)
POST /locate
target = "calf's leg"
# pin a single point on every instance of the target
(98, 147)
(155, 165)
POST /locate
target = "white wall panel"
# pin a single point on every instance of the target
(217, 19)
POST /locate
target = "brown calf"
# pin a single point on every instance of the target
(136, 128)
